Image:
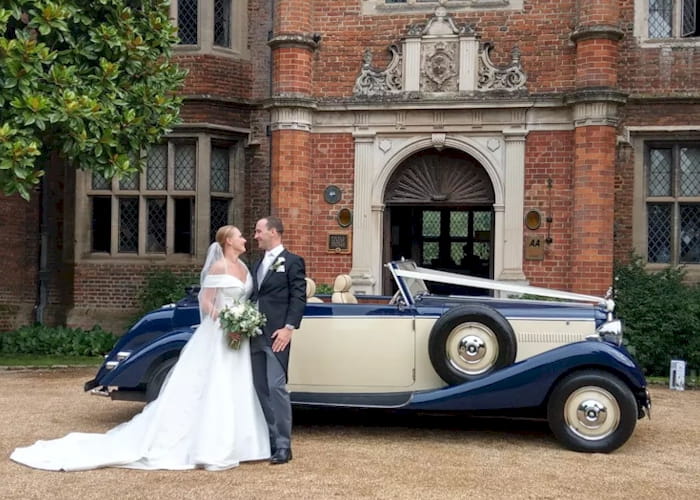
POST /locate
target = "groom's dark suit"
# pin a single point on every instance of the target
(281, 296)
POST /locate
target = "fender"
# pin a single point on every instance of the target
(133, 370)
(528, 383)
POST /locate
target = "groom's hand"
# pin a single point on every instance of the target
(281, 339)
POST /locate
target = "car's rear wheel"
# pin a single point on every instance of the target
(157, 378)
(469, 342)
(592, 411)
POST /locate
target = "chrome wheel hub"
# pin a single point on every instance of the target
(472, 348)
(592, 413)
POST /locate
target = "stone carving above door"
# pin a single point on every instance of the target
(439, 67)
(440, 179)
(439, 57)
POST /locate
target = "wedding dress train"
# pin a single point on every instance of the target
(206, 416)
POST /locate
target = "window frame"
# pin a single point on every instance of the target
(205, 30)
(642, 145)
(641, 26)
(201, 197)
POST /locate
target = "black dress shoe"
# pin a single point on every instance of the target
(281, 456)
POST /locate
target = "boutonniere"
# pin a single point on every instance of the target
(278, 265)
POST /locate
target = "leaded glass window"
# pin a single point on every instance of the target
(129, 182)
(660, 18)
(219, 216)
(128, 225)
(673, 203)
(659, 237)
(689, 18)
(157, 168)
(690, 171)
(157, 224)
(187, 21)
(154, 211)
(222, 23)
(672, 18)
(185, 162)
(220, 169)
(99, 181)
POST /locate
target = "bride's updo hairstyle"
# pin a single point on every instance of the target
(222, 233)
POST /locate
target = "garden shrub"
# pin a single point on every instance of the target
(661, 315)
(62, 341)
(164, 287)
(324, 289)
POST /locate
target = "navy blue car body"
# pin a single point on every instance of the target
(562, 361)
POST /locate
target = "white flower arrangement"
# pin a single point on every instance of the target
(241, 319)
(278, 265)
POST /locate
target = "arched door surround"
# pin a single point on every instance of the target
(501, 156)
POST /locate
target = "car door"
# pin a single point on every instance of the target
(353, 348)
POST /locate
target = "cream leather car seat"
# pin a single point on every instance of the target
(311, 291)
(341, 290)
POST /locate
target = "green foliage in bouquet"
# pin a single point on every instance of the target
(242, 319)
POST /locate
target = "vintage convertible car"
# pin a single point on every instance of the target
(559, 359)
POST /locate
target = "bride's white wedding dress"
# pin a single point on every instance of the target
(206, 416)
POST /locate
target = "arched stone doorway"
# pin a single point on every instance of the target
(439, 212)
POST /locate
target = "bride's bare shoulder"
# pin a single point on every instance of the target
(218, 267)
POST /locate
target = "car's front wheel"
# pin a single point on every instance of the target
(157, 378)
(592, 411)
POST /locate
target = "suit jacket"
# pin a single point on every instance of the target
(281, 297)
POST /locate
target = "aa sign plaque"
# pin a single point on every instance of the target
(534, 248)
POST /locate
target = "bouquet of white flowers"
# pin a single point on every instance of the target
(241, 319)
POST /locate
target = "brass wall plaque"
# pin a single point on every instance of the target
(534, 248)
(339, 242)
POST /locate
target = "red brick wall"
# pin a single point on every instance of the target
(115, 285)
(624, 191)
(655, 70)
(19, 253)
(541, 31)
(550, 155)
(216, 76)
(598, 12)
(596, 63)
(593, 204)
(333, 164)
(293, 16)
(292, 70)
(215, 112)
(308, 217)
(291, 180)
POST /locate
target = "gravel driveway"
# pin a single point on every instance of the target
(361, 455)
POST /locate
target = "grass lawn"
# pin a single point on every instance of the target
(40, 360)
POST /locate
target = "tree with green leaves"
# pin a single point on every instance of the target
(90, 79)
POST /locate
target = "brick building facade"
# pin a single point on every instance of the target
(524, 140)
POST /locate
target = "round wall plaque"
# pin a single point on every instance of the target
(533, 220)
(332, 194)
(344, 217)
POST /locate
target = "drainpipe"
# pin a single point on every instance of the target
(273, 6)
(42, 285)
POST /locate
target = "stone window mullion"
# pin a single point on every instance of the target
(202, 195)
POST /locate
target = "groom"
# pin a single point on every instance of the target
(280, 291)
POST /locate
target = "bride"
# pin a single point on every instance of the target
(207, 414)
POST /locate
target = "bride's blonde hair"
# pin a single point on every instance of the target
(224, 232)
